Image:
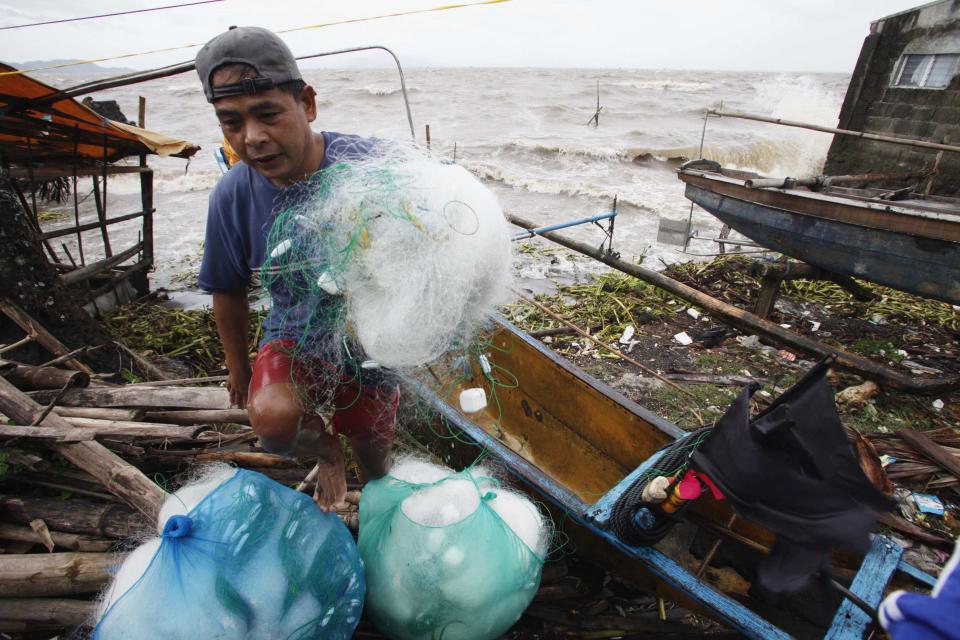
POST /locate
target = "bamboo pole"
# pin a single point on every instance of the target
(120, 478)
(55, 574)
(846, 132)
(750, 322)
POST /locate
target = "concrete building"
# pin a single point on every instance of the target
(906, 84)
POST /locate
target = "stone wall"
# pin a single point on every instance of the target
(872, 105)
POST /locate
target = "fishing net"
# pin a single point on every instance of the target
(448, 555)
(384, 262)
(239, 556)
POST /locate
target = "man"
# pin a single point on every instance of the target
(265, 110)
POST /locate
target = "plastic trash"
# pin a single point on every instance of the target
(239, 557)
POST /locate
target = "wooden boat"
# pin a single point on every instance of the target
(578, 445)
(910, 243)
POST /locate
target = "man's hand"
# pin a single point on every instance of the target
(238, 383)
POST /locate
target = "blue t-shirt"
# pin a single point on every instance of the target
(242, 209)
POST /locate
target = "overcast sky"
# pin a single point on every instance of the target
(776, 35)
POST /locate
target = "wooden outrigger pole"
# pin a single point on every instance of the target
(846, 132)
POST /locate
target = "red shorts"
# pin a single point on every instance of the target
(360, 410)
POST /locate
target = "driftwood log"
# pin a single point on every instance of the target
(82, 517)
(99, 413)
(27, 614)
(119, 477)
(28, 377)
(248, 459)
(141, 396)
(199, 416)
(133, 428)
(52, 574)
(68, 541)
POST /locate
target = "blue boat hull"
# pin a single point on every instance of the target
(920, 265)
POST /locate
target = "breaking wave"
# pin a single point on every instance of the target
(547, 186)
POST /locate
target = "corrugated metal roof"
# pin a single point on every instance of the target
(38, 128)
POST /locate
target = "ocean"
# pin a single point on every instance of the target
(524, 132)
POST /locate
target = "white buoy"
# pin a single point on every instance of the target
(473, 400)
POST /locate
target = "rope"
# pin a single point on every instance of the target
(318, 25)
(673, 462)
(108, 15)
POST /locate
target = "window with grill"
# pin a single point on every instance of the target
(925, 70)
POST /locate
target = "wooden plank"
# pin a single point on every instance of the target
(851, 622)
(41, 335)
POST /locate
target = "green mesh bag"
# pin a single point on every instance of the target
(470, 579)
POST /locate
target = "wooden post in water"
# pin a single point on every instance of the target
(596, 116)
(146, 197)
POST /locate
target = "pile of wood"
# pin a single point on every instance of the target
(120, 441)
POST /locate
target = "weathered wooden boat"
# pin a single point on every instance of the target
(911, 243)
(578, 444)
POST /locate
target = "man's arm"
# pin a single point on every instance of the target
(231, 310)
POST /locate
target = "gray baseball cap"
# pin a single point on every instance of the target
(253, 46)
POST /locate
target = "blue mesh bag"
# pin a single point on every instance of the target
(253, 560)
(471, 579)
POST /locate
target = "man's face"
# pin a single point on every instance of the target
(270, 130)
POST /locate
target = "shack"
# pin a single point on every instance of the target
(905, 84)
(51, 142)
